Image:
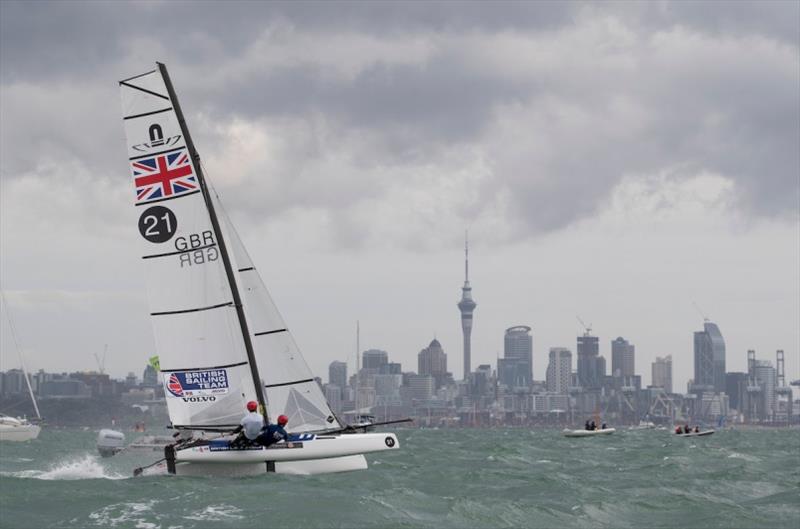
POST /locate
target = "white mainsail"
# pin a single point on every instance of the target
(288, 381)
(198, 331)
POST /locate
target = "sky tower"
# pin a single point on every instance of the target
(466, 306)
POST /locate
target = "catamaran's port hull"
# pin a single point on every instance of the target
(25, 432)
(312, 454)
(299, 468)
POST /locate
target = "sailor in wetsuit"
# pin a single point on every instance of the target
(274, 432)
(250, 427)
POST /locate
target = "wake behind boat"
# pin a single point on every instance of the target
(588, 433)
(220, 338)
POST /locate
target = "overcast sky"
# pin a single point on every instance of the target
(613, 161)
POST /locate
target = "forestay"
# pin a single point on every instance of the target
(197, 331)
(289, 383)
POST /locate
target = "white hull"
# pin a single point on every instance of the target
(299, 468)
(310, 454)
(588, 433)
(22, 432)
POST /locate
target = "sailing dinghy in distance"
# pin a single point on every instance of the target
(220, 338)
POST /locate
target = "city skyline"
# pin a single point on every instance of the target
(598, 177)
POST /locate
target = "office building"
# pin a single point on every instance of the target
(515, 369)
(662, 373)
(374, 359)
(591, 366)
(622, 358)
(709, 360)
(337, 374)
(559, 370)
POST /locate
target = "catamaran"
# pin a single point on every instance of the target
(221, 341)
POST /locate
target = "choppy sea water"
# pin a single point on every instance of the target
(439, 479)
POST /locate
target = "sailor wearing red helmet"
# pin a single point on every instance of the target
(250, 426)
(274, 432)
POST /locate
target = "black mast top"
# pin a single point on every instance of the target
(223, 250)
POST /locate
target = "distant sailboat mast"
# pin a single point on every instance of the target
(358, 370)
(223, 250)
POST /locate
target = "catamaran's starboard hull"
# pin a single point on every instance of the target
(24, 432)
(303, 454)
(588, 433)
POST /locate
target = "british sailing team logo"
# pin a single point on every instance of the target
(174, 386)
(198, 386)
(163, 176)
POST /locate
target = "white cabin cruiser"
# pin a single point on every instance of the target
(16, 429)
(221, 341)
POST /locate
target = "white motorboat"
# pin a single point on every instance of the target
(588, 433)
(643, 425)
(16, 429)
(110, 442)
(221, 340)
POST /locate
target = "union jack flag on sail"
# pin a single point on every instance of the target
(164, 175)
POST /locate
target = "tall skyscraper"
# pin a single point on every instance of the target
(559, 370)
(337, 374)
(516, 367)
(591, 366)
(709, 359)
(622, 358)
(467, 306)
(662, 373)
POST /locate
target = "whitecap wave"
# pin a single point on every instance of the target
(87, 467)
(125, 513)
(216, 513)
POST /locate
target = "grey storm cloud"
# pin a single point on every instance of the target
(563, 100)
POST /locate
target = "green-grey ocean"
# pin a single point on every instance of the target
(440, 478)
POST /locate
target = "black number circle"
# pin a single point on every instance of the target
(158, 224)
(389, 442)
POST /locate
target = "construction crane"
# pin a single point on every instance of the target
(588, 328)
(699, 311)
(101, 362)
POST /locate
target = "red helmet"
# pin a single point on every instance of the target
(252, 405)
(282, 419)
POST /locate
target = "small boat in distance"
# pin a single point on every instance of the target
(695, 434)
(588, 433)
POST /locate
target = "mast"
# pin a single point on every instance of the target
(223, 250)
